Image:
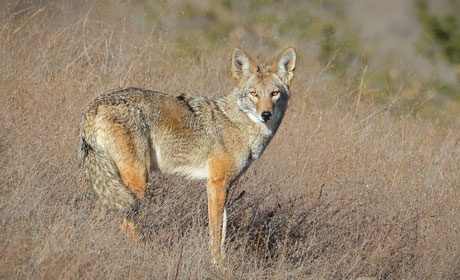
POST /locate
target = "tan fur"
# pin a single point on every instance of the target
(264, 104)
(127, 133)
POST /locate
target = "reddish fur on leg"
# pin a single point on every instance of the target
(129, 228)
(219, 170)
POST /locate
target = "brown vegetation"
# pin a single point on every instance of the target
(346, 188)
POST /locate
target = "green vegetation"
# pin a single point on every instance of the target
(336, 42)
(441, 33)
(440, 41)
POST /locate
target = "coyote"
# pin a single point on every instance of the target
(128, 133)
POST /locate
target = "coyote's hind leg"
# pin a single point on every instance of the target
(132, 158)
(135, 178)
(128, 225)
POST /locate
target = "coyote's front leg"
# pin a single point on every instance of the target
(220, 170)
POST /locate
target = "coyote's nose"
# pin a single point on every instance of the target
(266, 115)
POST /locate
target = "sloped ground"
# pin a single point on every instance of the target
(346, 189)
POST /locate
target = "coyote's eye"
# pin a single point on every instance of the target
(253, 93)
(275, 93)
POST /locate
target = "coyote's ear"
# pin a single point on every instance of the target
(242, 65)
(284, 65)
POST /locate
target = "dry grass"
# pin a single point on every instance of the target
(346, 189)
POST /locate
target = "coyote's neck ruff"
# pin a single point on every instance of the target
(128, 133)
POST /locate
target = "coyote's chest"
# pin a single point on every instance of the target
(258, 142)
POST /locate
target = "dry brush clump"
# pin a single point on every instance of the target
(346, 189)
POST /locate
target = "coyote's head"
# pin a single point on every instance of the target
(263, 91)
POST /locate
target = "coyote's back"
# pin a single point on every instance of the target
(126, 134)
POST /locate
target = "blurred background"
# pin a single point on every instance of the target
(409, 50)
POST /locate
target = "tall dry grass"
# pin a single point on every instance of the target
(346, 189)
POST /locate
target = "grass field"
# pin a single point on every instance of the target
(348, 188)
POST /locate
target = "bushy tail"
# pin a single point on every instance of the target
(103, 174)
